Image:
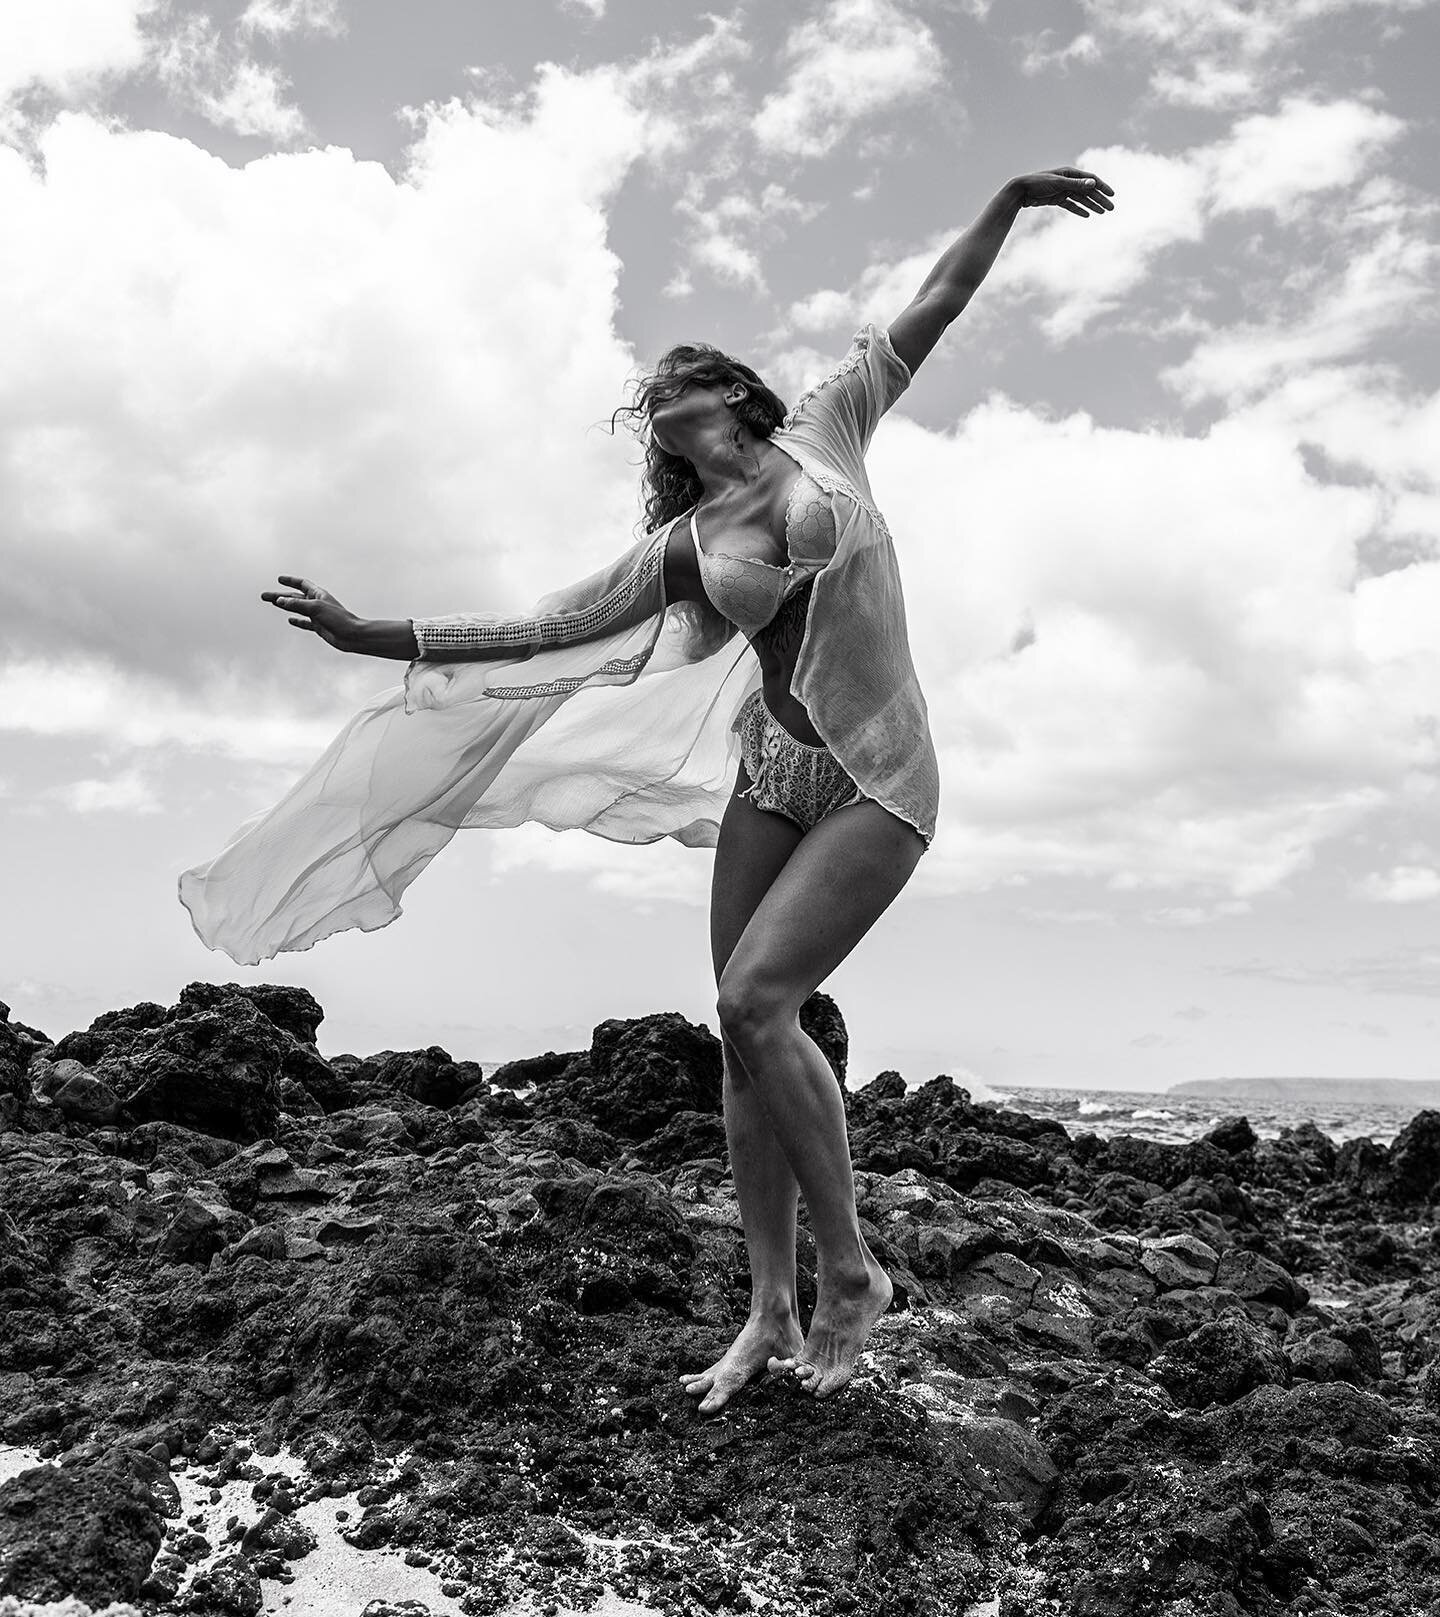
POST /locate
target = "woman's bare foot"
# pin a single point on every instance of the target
(838, 1331)
(762, 1337)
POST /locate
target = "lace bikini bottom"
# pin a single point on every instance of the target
(788, 777)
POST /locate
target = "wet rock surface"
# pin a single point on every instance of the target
(1121, 1377)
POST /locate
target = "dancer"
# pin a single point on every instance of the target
(622, 705)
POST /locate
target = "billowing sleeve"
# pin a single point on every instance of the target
(616, 597)
(841, 413)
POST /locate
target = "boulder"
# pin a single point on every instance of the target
(1257, 1279)
(75, 1091)
(638, 1075)
(430, 1076)
(1220, 1361)
(293, 1010)
(531, 1070)
(200, 1226)
(218, 1060)
(229, 1587)
(215, 1071)
(1180, 1260)
(1012, 1463)
(88, 1532)
(1346, 1352)
(1232, 1135)
(1414, 1159)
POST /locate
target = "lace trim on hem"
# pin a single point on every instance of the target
(852, 361)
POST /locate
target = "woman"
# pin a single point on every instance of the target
(760, 523)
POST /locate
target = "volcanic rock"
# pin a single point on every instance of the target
(1119, 1376)
(91, 1533)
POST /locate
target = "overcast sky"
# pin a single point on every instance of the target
(347, 287)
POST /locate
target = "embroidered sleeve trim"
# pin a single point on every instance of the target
(472, 631)
(564, 687)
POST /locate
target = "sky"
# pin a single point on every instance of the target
(349, 288)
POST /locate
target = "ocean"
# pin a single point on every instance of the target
(1343, 1110)
(1175, 1119)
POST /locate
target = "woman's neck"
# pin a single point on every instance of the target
(729, 462)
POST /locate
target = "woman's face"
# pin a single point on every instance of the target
(679, 414)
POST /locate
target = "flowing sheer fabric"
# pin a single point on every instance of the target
(633, 762)
(608, 710)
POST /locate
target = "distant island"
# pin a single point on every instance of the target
(1412, 1092)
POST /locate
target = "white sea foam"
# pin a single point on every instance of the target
(335, 1579)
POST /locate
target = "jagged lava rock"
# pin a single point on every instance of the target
(1233, 1135)
(89, 1532)
(219, 1060)
(430, 1076)
(1220, 1361)
(1079, 1405)
(637, 1075)
(1414, 1159)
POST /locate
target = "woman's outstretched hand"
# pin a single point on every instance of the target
(316, 610)
(1076, 190)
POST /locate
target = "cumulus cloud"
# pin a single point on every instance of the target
(1285, 164)
(848, 62)
(67, 46)
(1213, 53)
(215, 375)
(86, 697)
(1175, 678)
(1377, 287)
(55, 53)
(1206, 693)
(205, 70)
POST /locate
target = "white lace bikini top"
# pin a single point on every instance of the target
(750, 592)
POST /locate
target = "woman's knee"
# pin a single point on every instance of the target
(749, 1014)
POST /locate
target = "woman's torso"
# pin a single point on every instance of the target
(755, 560)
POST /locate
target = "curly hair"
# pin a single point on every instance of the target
(670, 485)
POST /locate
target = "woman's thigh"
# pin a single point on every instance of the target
(752, 850)
(843, 874)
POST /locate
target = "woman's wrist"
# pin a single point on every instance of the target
(384, 637)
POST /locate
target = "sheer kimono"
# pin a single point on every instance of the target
(608, 710)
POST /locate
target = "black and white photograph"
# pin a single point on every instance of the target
(720, 778)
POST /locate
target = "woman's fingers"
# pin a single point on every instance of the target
(1083, 174)
(309, 595)
(1084, 193)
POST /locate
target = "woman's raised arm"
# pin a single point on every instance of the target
(966, 262)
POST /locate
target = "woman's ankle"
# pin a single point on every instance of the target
(774, 1307)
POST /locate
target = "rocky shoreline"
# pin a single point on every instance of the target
(1121, 1379)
